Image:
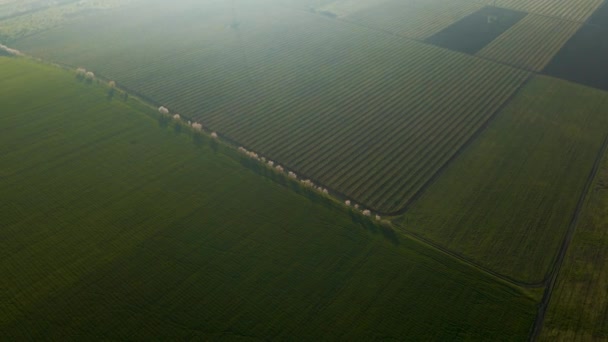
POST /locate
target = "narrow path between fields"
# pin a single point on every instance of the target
(557, 265)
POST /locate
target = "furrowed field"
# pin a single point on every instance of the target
(508, 200)
(570, 10)
(574, 10)
(475, 129)
(578, 310)
(117, 227)
(412, 18)
(369, 115)
(531, 43)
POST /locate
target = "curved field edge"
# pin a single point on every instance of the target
(507, 201)
(578, 307)
(116, 227)
(318, 113)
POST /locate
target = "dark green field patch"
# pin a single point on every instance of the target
(475, 31)
(583, 58)
(508, 199)
(578, 309)
(600, 16)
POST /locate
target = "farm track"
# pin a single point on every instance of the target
(553, 275)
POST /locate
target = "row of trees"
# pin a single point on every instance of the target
(196, 126)
(306, 183)
(82, 73)
(9, 51)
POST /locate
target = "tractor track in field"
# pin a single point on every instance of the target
(473, 264)
(557, 265)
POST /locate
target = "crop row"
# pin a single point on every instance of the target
(578, 10)
(375, 132)
(531, 43)
(364, 113)
(414, 19)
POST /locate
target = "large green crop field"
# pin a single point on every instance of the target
(117, 227)
(508, 200)
(578, 310)
(370, 116)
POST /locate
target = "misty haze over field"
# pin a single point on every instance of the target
(303, 170)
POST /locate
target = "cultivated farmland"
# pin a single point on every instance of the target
(577, 10)
(475, 31)
(413, 18)
(583, 57)
(531, 43)
(508, 200)
(369, 115)
(23, 18)
(116, 227)
(578, 309)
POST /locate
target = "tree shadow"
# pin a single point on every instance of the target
(177, 128)
(373, 227)
(214, 145)
(110, 94)
(163, 121)
(198, 139)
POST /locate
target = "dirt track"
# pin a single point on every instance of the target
(552, 279)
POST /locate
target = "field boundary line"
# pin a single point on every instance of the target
(462, 148)
(469, 262)
(557, 265)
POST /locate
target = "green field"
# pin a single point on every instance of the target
(369, 115)
(488, 212)
(507, 201)
(117, 227)
(578, 310)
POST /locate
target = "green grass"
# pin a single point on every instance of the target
(578, 310)
(115, 227)
(507, 201)
(366, 114)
